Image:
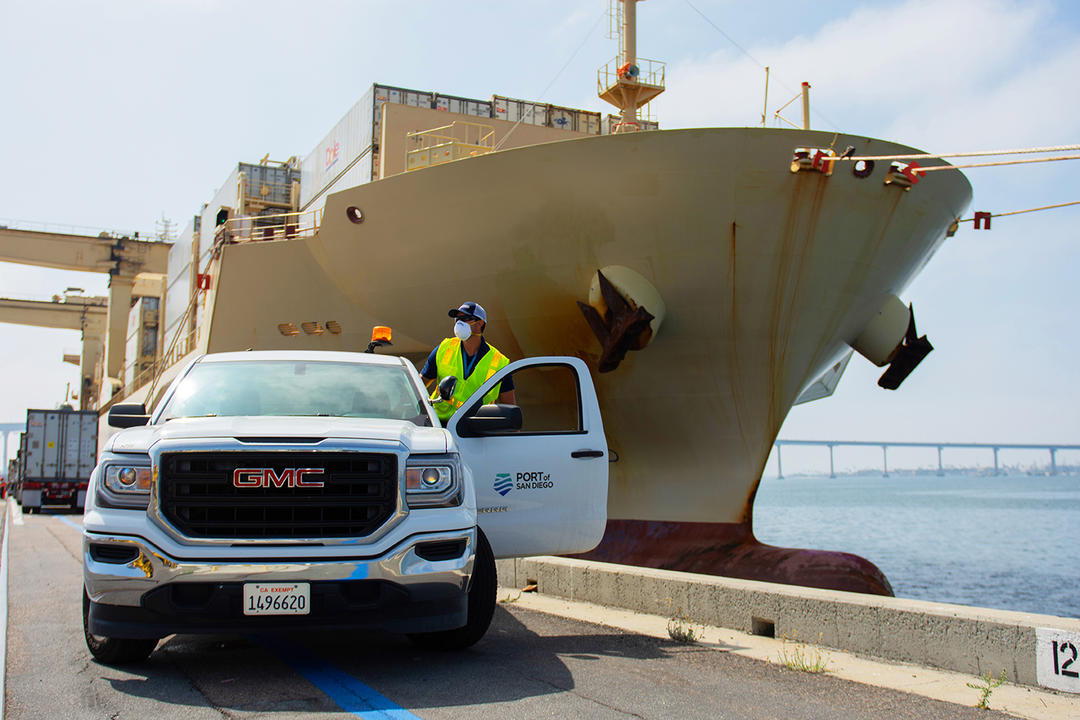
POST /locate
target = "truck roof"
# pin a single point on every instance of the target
(303, 355)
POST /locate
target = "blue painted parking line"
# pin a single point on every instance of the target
(77, 525)
(350, 694)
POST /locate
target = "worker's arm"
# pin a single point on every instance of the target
(507, 397)
(429, 373)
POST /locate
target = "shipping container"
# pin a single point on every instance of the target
(178, 291)
(142, 339)
(59, 454)
(349, 155)
(346, 145)
(270, 184)
(524, 111)
(582, 121)
(414, 98)
(463, 106)
(79, 433)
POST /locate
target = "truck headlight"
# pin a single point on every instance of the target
(125, 484)
(432, 481)
(427, 479)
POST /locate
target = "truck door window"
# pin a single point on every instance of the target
(549, 399)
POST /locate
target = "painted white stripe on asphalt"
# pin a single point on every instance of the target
(3, 611)
(16, 515)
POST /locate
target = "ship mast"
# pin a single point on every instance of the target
(628, 82)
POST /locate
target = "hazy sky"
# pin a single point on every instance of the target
(118, 113)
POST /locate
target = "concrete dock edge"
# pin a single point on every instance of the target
(963, 639)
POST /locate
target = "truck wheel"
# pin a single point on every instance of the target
(114, 651)
(481, 605)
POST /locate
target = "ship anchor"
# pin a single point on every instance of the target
(623, 326)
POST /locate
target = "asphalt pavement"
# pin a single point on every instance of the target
(531, 665)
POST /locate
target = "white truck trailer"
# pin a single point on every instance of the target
(60, 454)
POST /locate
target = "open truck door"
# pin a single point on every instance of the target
(540, 467)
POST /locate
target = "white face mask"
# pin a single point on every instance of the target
(462, 330)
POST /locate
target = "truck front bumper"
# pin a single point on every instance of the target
(136, 591)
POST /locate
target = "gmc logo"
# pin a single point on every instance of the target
(266, 477)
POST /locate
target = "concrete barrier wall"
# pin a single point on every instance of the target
(953, 637)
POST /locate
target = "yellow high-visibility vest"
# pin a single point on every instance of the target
(449, 361)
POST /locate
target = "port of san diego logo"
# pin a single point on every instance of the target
(503, 484)
(534, 480)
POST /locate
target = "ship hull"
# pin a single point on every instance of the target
(767, 276)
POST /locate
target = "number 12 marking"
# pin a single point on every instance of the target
(1066, 647)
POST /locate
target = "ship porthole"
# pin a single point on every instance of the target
(354, 214)
(862, 168)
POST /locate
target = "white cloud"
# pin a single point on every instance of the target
(922, 67)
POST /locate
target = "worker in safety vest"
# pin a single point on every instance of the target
(468, 357)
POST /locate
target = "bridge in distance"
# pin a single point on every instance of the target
(1053, 449)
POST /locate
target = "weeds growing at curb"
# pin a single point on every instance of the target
(512, 598)
(986, 687)
(795, 655)
(680, 629)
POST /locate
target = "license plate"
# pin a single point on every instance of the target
(277, 598)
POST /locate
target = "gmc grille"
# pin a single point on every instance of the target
(198, 497)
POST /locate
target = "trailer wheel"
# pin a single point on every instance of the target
(482, 593)
(114, 651)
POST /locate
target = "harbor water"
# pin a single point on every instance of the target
(1010, 542)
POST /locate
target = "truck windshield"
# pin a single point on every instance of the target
(295, 388)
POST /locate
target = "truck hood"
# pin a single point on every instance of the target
(414, 438)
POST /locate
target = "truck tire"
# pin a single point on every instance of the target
(114, 651)
(482, 592)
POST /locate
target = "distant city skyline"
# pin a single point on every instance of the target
(113, 123)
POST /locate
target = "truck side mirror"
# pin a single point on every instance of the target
(447, 386)
(125, 415)
(491, 420)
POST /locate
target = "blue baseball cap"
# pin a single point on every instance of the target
(469, 310)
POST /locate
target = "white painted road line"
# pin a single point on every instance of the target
(3, 608)
(16, 517)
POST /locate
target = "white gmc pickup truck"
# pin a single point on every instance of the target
(277, 490)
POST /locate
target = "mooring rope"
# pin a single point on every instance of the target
(979, 153)
(1027, 161)
(1021, 212)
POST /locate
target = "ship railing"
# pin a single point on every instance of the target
(455, 141)
(276, 226)
(614, 72)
